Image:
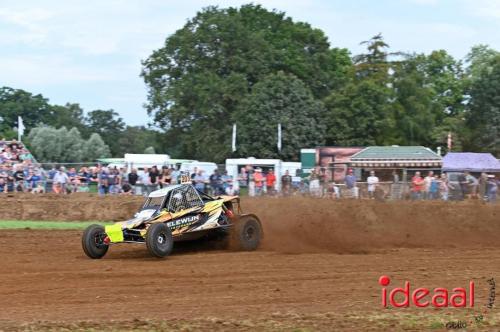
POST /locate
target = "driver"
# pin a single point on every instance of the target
(176, 202)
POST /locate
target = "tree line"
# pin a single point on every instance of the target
(256, 68)
(57, 133)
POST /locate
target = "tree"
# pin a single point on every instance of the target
(483, 118)
(359, 112)
(279, 98)
(49, 144)
(429, 99)
(109, 126)
(69, 115)
(135, 139)
(199, 78)
(34, 109)
(479, 59)
(95, 148)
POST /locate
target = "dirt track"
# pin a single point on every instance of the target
(317, 270)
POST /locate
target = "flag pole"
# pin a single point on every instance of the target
(233, 142)
(279, 137)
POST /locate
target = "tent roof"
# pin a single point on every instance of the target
(396, 157)
(470, 161)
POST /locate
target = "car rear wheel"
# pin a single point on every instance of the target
(246, 234)
(93, 242)
(159, 240)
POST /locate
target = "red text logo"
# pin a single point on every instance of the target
(423, 297)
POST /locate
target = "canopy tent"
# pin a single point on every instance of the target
(395, 157)
(470, 161)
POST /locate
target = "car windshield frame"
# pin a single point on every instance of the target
(154, 203)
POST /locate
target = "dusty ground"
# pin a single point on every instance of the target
(317, 270)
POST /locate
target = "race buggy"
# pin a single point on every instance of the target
(178, 213)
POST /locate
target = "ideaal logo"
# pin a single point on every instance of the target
(439, 297)
(421, 297)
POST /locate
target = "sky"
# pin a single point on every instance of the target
(90, 51)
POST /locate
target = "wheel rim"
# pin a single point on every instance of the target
(249, 232)
(161, 239)
(99, 239)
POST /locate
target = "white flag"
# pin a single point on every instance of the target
(279, 137)
(234, 138)
(20, 128)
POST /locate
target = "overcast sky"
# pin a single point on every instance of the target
(89, 52)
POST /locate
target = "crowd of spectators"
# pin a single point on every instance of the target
(451, 186)
(18, 172)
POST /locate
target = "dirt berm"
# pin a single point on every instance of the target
(296, 225)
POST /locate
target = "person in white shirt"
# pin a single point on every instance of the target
(372, 184)
(427, 184)
(59, 181)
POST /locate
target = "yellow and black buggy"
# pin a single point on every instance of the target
(177, 213)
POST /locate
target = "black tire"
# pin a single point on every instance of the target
(92, 242)
(159, 240)
(246, 234)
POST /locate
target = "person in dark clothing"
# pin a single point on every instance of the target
(216, 182)
(133, 177)
(286, 183)
(153, 175)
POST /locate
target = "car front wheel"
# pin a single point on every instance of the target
(93, 242)
(159, 240)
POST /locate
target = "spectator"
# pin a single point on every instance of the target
(427, 184)
(372, 184)
(132, 180)
(145, 181)
(165, 178)
(60, 181)
(230, 190)
(434, 188)
(243, 178)
(462, 182)
(271, 182)
(472, 184)
(122, 175)
(482, 187)
(3, 185)
(350, 183)
(114, 181)
(193, 175)
(444, 187)
(153, 178)
(226, 180)
(126, 188)
(259, 181)
(286, 183)
(32, 180)
(199, 181)
(216, 183)
(174, 174)
(417, 186)
(103, 181)
(492, 188)
(314, 186)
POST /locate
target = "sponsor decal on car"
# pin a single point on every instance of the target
(181, 222)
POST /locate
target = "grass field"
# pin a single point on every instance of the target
(33, 224)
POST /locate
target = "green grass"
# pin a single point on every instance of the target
(31, 224)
